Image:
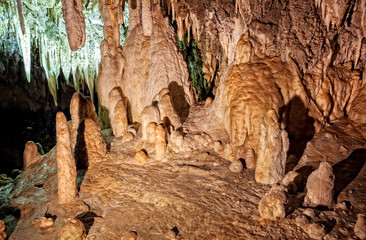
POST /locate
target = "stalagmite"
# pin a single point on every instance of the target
(90, 147)
(146, 17)
(360, 227)
(160, 142)
(72, 11)
(274, 204)
(66, 169)
(150, 132)
(111, 70)
(119, 122)
(80, 107)
(135, 13)
(31, 154)
(167, 111)
(141, 157)
(2, 230)
(236, 166)
(320, 186)
(73, 229)
(148, 115)
(272, 150)
(20, 14)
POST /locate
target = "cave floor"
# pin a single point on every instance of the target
(192, 195)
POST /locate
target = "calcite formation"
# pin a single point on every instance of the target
(81, 107)
(360, 227)
(285, 107)
(66, 168)
(75, 23)
(117, 112)
(90, 146)
(143, 57)
(73, 229)
(320, 186)
(272, 150)
(274, 205)
(149, 114)
(2, 230)
(160, 142)
(31, 154)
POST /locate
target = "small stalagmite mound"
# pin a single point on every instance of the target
(320, 186)
(149, 114)
(119, 122)
(160, 142)
(31, 154)
(66, 168)
(74, 229)
(2, 230)
(274, 204)
(360, 227)
(236, 166)
(141, 157)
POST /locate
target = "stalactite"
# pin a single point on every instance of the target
(21, 17)
(75, 23)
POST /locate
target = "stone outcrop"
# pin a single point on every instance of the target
(320, 186)
(31, 154)
(75, 23)
(66, 169)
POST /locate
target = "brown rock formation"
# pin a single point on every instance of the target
(160, 142)
(272, 150)
(66, 169)
(90, 147)
(320, 186)
(75, 23)
(360, 227)
(31, 154)
(80, 107)
(2, 230)
(149, 114)
(73, 229)
(274, 204)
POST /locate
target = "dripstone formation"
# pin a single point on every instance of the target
(270, 152)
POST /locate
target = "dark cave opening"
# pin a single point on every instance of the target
(28, 110)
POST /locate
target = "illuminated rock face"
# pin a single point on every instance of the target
(75, 23)
(66, 168)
